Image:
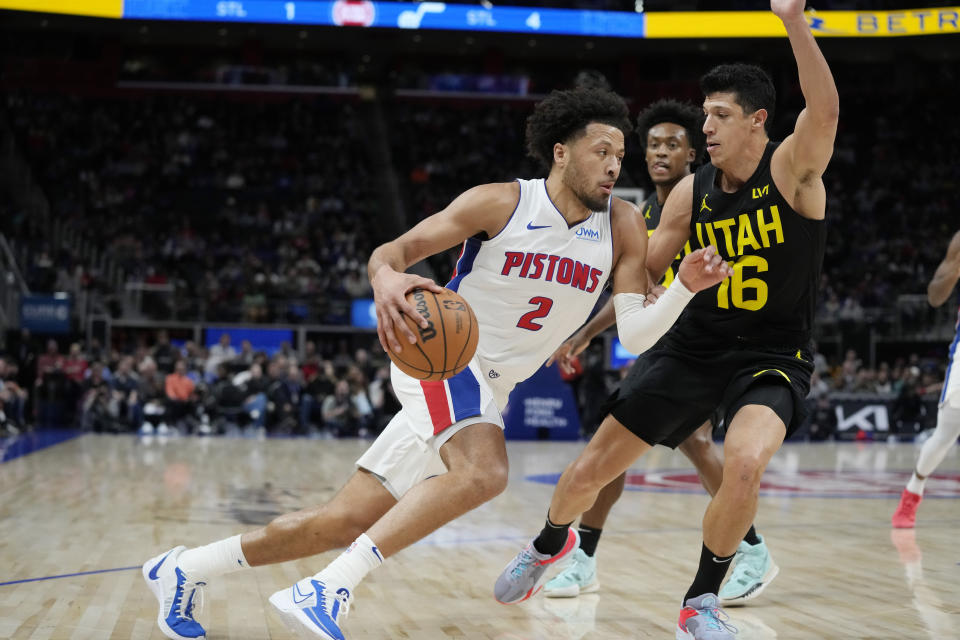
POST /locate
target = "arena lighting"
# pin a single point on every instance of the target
(485, 16)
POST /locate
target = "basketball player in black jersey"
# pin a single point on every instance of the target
(673, 139)
(744, 344)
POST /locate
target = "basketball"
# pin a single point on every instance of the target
(444, 348)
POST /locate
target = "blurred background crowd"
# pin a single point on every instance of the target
(246, 181)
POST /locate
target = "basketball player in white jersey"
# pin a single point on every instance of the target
(536, 254)
(948, 417)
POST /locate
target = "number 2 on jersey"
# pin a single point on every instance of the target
(543, 308)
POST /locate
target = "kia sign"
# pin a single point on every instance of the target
(45, 314)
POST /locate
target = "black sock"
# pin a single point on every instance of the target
(751, 538)
(709, 575)
(552, 538)
(589, 537)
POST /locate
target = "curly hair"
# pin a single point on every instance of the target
(563, 117)
(752, 86)
(680, 113)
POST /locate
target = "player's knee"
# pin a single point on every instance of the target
(585, 475)
(744, 469)
(490, 481)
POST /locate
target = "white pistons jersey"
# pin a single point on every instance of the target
(532, 285)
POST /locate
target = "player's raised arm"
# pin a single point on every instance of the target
(639, 326)
(946, 276)
(808, 150)
(673, 231)
(485, 208)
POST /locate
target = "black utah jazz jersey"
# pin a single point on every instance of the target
(651, 215)
(776, 255)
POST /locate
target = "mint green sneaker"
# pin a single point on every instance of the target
(579, 576)
(753, 569)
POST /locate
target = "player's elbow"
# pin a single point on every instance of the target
(635, 342)
(827, 115)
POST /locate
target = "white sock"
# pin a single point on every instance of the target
(214, 559)
(352, 565)
(915, 485)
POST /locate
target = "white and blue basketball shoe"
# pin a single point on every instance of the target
(312, 606)
(177, 596)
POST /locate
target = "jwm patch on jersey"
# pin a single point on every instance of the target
(533, 284)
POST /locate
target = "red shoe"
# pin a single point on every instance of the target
(906, 513)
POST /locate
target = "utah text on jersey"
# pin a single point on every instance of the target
(739, 240)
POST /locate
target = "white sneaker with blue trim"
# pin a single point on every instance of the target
(176, 595)
(311, 605)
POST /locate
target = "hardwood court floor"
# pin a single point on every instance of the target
(98, 506)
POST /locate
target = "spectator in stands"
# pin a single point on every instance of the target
(818, 387)
(165, 354)
(23, 352)
(883, 383)
(220, 353)
(225, 400)
(362, 408)
(49, 360)
(196, 358)
(75, 364)
(124, 400)
(338, 411)
(52, 390)
(246, 354)
(181, 397)
(311, 361)
(382, 399)
(95, 402)
(365, 364)
(253, 384)
(283, 395)
(13, 400)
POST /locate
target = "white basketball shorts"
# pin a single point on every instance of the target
(408, 450)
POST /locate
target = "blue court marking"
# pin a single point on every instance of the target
(553, 478)
(68, 575)
(27, 443)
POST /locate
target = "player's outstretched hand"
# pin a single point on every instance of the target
(569, 350)
(702, 269)
(787, 9)
(390, 289)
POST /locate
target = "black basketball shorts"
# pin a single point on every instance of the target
(676, 386)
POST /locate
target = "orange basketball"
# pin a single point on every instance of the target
(446, 346)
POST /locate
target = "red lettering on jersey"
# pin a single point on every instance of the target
(551, 266)
(526, 265)
(565, 271)
(594, 279)
(514, 258)
(580, 274)
(538, 266)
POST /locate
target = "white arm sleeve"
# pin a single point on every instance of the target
(640, 327)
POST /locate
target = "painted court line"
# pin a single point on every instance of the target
(68, 575)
